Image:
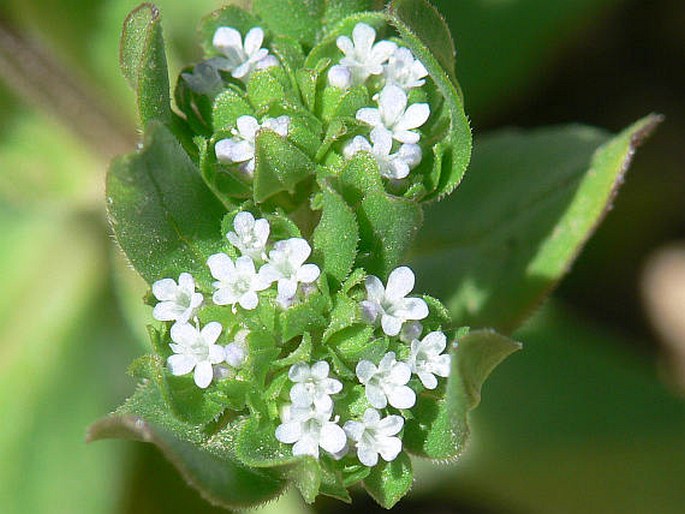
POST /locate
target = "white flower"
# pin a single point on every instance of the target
(404, 70)
(427, 360)
(240, 148)
(286, 265)
(390, 304)
(236, 282)
(241, 58)
(362, 57)
(250, 235)
(392, 165)
(177, 302)
(310, 429)
(340, 76)
(195, 349)
(236, 352)
(313, 386)
(386, 384)
(375, 436)
(394, 116)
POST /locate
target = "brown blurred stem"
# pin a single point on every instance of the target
(36, 77)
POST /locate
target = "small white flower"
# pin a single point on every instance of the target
(427, 360)
(250, 235)
(387, 383)
(313, 386)
(362, 57)
(241, 58)
(177, 302)
(236, 352)
(390, 303)
(375, 436)
(240, 149)
(195, 349)
(340, 76)
(392, 165)
(394, 116)
(237, 283)
(286, 265)
(310, 429)
(404, 70)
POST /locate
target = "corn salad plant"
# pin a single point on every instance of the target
(281, 207)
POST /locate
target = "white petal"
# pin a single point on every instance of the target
(367, 456)
(370, 116)
(358, 144)
(376, 396)
(371, 417)
(234, 355)
(299, 372)
(415, 308)
(374, 288)
(390, 448)
(167, 311)
(221, 266)
(390, 425)
(306, 446)
(410, 332)
(253, 40)
(300, 396)
(365, 370)
(363, 36)
(269, 274)
(320, 370)
(261, 230)
(287, 288)
(382, 141)
(400, 373)
(217, 354)
(186, 282)
(298, 249)
(308, 273)
(411, 154)
(345, 44)
(332, 438)
(415, 116)
(370, 311)
(203, 374)
(227, 38)
(210, 332)
(382, 51)
(400, 283)
(247, 127)
(354, 430)
(183, 333)
(165, 290)
(391, 325)
(428, 380)
(332, 386)
(406, 136)
(249, 301)
(392, 102)
(180, 364)
(434, 342)
(442, 365)
(243, 223)
(279, 125)
(289, 433)
(224, 296)
(244, 265)
(402, 397)
(267, 62)
(323, 404)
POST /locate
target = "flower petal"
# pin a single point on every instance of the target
(392, 102)
(183, 333)
(390, 425)
(400, 283)
(391, 325)
(227, 38)
(363, 36)
(415, 116)
(167, 311)
(165, 289)
(428, 379)
(414, 308)
(376, 396)
(204, 373)
(308, 273)
(210, 332)
(389, 448)
(221, 266)
(367, 456)
(289, 433)
(402, 397)
(332, 438)
(253, 40)
(180, 364)
(370, 116)
(365, 370)
(249, 301)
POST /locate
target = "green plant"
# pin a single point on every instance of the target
(289, 182)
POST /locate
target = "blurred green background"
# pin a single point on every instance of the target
(588, 418)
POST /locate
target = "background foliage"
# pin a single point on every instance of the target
(583, 408)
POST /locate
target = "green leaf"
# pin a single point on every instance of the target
(337, 10)
(279, 166)
(389, 482)
(228, 107)
(388, 225)
(299, 19)
(519, 220)
(336, 236)
(143, 62)
(163, 216)
(269, 86)
(423, 30)
(440, 428)
(205, 464)
(307, 316)
(354, 344)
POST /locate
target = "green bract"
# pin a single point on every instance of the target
(272, 208)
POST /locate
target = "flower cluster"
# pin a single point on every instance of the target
(238, 283)
(308, 421)
(393, 138)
